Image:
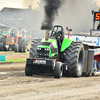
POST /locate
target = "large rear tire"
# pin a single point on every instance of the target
(58, 70)
(3, 40)
(25, 45)
(20, 43)
(74, 59)
(33, 48)
(1, 46)
(16, 48)
(0, 39)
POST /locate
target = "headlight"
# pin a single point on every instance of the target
(46, 49)
(38, 48)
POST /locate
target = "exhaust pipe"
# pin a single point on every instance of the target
(47, 35)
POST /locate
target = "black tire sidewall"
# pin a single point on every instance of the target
(28, 71)
(20, 42)
(16, 48)
(74, 59)
(79, 72)
(58, 71)
(1, 46)
(33, 51)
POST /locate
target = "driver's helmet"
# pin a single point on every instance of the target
(56, 30)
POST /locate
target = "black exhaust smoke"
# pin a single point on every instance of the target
(51, 10)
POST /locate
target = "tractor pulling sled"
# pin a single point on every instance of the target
(68, 55)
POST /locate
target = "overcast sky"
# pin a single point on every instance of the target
(24, 3)
(19, 3)
(98, 2)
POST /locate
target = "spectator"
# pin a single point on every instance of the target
(12, 34)
(98, 26)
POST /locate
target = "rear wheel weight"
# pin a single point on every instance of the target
(74, 59)
(58, 71)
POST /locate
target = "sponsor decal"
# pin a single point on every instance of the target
(39, 61)
(98, 42)
(93, 41)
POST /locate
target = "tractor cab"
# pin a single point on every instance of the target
(57, 32)
(12, 37)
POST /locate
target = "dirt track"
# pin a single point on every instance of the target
(14, 85)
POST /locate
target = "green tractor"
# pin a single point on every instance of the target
(55, 55)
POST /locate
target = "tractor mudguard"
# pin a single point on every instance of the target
(65, 44)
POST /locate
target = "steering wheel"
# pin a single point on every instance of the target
(55, 34)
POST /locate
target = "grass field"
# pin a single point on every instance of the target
(13, 57)
(13, 60)
(13, 52)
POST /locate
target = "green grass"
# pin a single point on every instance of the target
(13, 52)
(13, 60)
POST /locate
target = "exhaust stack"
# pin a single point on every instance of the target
(47, 35)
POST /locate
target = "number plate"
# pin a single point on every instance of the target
(39, 61)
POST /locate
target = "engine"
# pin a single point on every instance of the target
(47, 48)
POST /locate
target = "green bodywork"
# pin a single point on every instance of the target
(53, 42)
(65, 44)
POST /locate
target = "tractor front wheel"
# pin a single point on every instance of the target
(58, 70)
(28, 71)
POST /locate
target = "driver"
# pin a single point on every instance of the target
(59, 39)
(57, 34)
(12, 34)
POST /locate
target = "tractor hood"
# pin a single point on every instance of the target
(50, 45)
